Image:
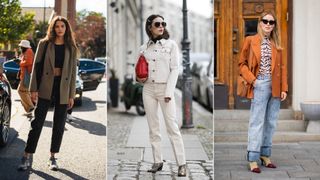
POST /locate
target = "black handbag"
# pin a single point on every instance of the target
(39, 65)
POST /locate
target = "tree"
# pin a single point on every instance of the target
(91, 34)
(13, 25)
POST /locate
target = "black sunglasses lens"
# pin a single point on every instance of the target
(270, 22)
(157, 24)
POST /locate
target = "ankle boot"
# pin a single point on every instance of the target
(156, 167)
(267, 162)
(182, 170)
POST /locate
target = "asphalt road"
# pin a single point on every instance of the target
(83, 150)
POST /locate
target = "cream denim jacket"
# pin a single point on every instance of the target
(163, 59)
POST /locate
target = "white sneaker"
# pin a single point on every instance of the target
(70, 117)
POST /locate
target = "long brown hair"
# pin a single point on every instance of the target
(148, 25)
(69, 39)
(274, 35)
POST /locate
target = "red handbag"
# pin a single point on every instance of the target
(142, 67)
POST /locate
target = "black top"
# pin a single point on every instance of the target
(156, 39)
(59, 56)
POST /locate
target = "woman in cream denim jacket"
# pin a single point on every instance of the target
(162, 55)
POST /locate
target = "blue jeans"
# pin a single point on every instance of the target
(264, 114)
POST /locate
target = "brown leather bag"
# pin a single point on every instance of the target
(242, 87)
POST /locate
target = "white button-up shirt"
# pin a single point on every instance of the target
(163, 59)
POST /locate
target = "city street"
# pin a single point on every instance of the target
(129, 149)
(83, 150)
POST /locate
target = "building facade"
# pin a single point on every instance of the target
(123, 35)
(126, 31)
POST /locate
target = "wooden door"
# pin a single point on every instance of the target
(233, 21)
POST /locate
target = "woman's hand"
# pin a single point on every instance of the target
(141, 80)
(283, 95)
(34, 97)
(167, 99)
(70, 103)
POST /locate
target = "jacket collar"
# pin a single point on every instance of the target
(161, 42)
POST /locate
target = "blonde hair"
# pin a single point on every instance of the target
(274, 35)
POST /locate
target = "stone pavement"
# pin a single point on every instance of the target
(295, 161)
(129, 150)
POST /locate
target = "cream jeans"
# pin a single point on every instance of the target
(153, 95)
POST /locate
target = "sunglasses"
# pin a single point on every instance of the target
(157, 24)
(271, 22)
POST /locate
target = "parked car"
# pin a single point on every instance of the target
(206, 87)
(11, 69)
(101, 59)
(5, 110)
(91, 73)
(79, 90)
(180, 76)
(202, 79)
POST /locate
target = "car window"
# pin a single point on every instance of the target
(91, 65)
(12, 64)
(84, 65)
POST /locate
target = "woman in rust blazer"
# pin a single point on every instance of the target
(262, 66)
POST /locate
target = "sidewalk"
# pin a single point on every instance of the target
(295, 161)
(132, 158)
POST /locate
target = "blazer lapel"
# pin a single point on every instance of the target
(256, 47)
(273, 55)
(51, 54)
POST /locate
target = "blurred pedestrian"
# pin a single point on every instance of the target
(162, 55)
(262, 66)
(26, 62)
(57, 84)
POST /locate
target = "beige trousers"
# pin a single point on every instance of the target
(153, 95)
(25, 97)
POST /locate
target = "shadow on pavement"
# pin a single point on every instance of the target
(87, 105)
(92, 127)
(10, 156)
(44, 175)
(71, 174)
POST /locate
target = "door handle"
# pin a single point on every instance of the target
(235, 39)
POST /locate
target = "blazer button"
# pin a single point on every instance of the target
(153, 81)
(66, 78)
(154, 60)
(47, 73)
(153, 70)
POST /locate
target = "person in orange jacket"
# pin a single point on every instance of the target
(26, 62)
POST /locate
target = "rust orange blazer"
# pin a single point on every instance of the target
(250, 57)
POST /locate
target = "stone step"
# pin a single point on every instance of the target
(242, 125)
(235, 114)
(278, 137)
